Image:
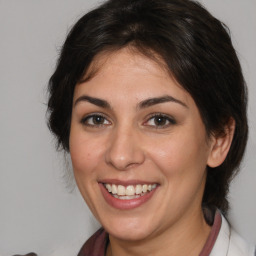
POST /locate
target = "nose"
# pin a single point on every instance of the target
(124, 149)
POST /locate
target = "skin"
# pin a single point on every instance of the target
(128, 143)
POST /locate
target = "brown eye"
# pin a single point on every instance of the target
(98, 120)
(95, 120)
(160, 121)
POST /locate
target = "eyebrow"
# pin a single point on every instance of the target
(153, 101)
(144, 104)
(96, 101)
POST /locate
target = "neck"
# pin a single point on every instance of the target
(186, 237)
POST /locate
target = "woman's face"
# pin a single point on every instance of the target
(138, 134)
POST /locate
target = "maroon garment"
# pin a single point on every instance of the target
(96, 245)
(212, 236)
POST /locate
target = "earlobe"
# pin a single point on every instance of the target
(221, 145)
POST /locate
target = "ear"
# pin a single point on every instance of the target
(220, 145)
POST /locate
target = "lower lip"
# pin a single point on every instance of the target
(125, 204)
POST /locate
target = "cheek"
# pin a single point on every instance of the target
(80, 156)
(180, 155)
(182, 165)
(85, 159)
(84, 154)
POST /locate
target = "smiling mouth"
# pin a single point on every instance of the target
(129, 192)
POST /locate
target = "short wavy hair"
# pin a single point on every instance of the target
(197, 51)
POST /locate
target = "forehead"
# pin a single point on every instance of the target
(129, 71)
(124, 57)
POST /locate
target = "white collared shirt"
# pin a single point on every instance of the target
(229, 243)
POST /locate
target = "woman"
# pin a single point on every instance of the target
(149, 99)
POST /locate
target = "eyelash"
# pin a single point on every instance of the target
(86, 120)
(167, 118)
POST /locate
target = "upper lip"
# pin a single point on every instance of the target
(126, 182)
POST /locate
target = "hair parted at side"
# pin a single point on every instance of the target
(196, 49)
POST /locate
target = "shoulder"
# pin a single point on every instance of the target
(95, 245)
(229, 243)
(239, 246)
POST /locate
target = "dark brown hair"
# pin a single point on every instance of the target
(197, 51)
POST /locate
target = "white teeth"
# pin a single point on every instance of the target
(109, 187)
(126, 197)
(121, 190)
(138, 189)
(114, 189)
(131, 197)
(129, 192)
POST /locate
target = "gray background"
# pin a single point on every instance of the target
(38, 213)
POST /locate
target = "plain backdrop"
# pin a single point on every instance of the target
(38, 213)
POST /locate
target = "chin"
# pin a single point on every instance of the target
(129, 229)
(132, 235)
